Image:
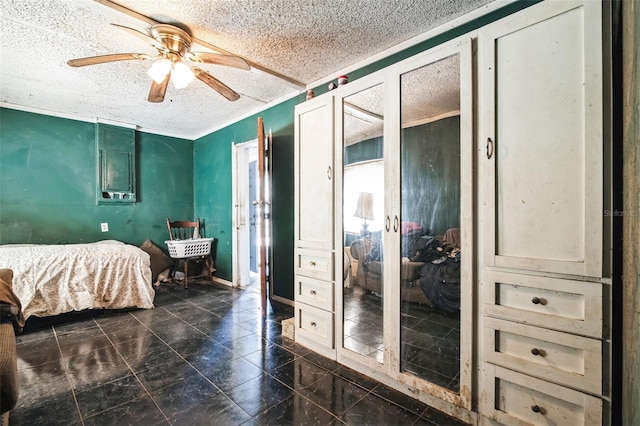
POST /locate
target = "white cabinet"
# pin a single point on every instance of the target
(524, 185)
(541, 105)
(314, 198)
(541, 158)
(314, 173)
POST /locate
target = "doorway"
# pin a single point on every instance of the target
(245, 236)
(250, 208)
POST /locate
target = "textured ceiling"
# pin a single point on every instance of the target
(305, 41)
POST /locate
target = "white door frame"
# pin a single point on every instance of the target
(242, 155)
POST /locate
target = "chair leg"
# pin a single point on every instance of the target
(208, 263)
(186, 271)
(172, 272)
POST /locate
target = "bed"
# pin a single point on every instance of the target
(55, 279)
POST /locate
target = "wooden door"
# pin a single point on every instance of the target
(262, 211)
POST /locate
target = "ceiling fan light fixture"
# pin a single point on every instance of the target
(181, 75)
(159, 70)
(174, 46)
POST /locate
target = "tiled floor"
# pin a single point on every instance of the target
(430, 338)
(203, 356)
(431, 344)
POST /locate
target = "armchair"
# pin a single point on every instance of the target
(11, 322)
(369, 273)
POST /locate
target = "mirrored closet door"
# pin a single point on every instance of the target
(431, 218)
(363, 209)
(407, 222)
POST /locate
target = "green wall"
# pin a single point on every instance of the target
(213, 191)
(48, 183)
(430, 170)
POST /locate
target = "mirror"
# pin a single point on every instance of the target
(363, 203)
(431, 223)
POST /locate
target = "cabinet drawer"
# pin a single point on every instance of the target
(565, 305)
(516, 399)
(314, 292)
(314, 325)
(572, 360)
(315, 264)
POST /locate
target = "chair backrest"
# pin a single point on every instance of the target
(183, 229)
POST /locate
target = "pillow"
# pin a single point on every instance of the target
(159, 260)
(6, 275)
(11, 306)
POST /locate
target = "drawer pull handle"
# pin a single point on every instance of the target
(538, 301)
(537, 352)
(313, 324)
(312, 263)
(313, 292)
(537, 409)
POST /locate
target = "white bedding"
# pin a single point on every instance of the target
(54, 279)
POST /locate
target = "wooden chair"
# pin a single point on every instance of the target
(184, 230)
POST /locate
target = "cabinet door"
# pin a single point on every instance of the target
(115, 164)
(413, 120)
(541, 139)
(435, 154)
(116, 171)
(314, 173)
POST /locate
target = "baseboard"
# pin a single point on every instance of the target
(222, 281)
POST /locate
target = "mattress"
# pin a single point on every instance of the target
(54, 279)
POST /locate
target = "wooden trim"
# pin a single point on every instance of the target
(631, 224)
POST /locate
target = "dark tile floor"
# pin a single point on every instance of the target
(430, 344)
(203, 356)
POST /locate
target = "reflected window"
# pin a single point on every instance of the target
(363, 197)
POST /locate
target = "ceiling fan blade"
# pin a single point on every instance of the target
(216, 58)
(157, 91)
(215, 84)
(152, 41)
(92, 60)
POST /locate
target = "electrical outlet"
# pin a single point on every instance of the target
(104, 227)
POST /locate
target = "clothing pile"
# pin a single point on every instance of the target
(440, 276)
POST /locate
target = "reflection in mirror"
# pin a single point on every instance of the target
(363, 196)
(430, 215)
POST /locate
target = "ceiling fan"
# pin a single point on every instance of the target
(172, 62)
